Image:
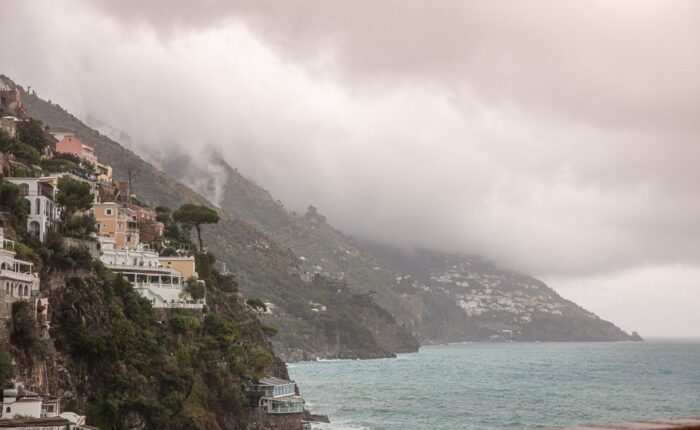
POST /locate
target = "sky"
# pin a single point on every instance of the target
(557, 138)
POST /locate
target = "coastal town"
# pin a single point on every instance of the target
(68, 189)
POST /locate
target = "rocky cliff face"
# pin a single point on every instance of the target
(110, 356)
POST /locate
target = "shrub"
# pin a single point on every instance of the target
(259, 359)
(80, 225)
(183, 324)
(257, 304)
(28, 254)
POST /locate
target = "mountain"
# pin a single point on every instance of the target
(439, 297)
(365, 300)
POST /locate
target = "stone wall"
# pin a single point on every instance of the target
(285, 421)
(91, 245)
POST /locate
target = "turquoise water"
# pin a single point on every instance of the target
(506, 385)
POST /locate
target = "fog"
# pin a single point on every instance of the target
(557, 138)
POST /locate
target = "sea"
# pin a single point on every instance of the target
(505, 385)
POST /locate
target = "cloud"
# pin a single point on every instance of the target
(657, 301)
(560, 139)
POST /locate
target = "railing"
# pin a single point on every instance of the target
(27, 277)
(125, 267)
(285, 407)
(156, 285)
(178, 305)
(689, 423)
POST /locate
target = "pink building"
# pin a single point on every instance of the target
(75, 146)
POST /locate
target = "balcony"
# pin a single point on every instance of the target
(18, 276)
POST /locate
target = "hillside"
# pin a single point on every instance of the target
(438, 297)
(430, 297)
(351, 327)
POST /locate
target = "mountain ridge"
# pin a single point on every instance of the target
(417, 306)
(271, 249)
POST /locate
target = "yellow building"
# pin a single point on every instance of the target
(118, 223)
(184, 265)
(104, 172)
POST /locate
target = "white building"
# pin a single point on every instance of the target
(17, 280)
(19, 402)
(41, 193)
(163, 286)
(276, 396)
(61, 134)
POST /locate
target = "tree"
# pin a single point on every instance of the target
(73, 195)
(33, 134)
(12, 201)
(196, 216)
(195, 288)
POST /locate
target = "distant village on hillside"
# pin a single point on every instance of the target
(127, 237)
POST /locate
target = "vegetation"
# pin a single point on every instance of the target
(196, 216)
(33, 134)
(74, 195)
(257, 304)
(25, 332)
(6, 369)
(13, 203)
(178, 235)
(195, 288)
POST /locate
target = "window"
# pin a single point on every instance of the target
(24, 189)
(108, 211)
(8, 410)
(38, 206)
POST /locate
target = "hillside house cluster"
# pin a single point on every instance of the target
(122, 226)
(123, 230)
(161, 280)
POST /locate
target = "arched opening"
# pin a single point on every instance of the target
(34, 229)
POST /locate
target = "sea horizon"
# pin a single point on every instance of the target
(505, 385)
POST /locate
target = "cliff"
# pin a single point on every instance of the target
(105, 353)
